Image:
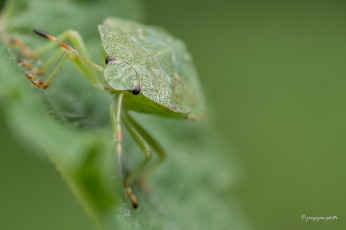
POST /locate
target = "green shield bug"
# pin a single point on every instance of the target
(147, 70)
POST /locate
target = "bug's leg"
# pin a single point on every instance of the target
(137, 134)
(46, 82)
(43, 67)
(30, 73)
(79, 57)
(146, 143)
(115, 112)
(35, 53)
(27, 65)
(26, 51)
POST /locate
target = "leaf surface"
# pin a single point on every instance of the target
(69, 122)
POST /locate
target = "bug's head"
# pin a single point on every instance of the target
(121, 76)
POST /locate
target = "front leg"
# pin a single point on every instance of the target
(78, 56)
(115, 112)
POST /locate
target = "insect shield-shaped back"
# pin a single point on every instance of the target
(120, 75)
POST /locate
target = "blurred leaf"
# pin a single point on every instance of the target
(56, 15)
(69, 121)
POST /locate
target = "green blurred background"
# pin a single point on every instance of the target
(274, 75)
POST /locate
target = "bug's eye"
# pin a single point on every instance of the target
(136, 90)
(109, 58)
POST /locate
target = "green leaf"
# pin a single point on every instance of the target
(69, 122)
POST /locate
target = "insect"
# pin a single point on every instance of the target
(147, 71)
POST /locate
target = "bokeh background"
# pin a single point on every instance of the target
(274, 75)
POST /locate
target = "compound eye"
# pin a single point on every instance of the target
(109, 58)
(136, 90)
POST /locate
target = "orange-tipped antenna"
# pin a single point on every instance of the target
(43, 34)
(52, 38)
(68, 48)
